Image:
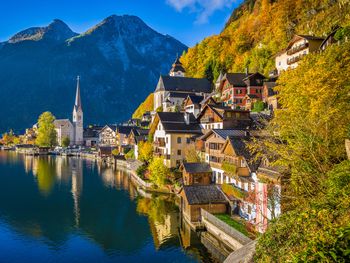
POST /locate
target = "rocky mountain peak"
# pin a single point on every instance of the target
(57, 30)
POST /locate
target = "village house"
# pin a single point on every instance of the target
(108, 135)
(239, 88)
(192, 104)
(91, 135)
(136, 136)
(172, 90)
(268, 192)
(329, 40)
(122, 134)
(208, 197)
(196, 174)
(240, 168)
(72, 130)
(221, 117)
(269, 95)
(172, 133)
(213, 141)
(297, 48)
(30, 135)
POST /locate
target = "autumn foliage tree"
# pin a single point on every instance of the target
(47, 136)
(308, 135)
(145, 151)
(158, 171)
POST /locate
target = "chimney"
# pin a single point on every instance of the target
(187, 118)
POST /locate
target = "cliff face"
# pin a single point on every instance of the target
(119, 61)
(258, 29)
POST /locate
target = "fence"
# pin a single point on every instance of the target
(235, 234)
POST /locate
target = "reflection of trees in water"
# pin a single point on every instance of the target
(46, 173)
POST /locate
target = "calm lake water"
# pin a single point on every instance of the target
(55, 209)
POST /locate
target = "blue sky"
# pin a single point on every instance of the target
(189, 21)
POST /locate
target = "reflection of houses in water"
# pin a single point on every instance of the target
(165, 233)
(77, 186)
(193, 243)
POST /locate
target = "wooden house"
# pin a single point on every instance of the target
(208, 197)
(221, 117)
(196, 174)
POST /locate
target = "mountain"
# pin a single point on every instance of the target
(258, 29)
(119, 61)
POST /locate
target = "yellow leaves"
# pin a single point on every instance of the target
(145, 106)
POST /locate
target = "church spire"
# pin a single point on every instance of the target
(77, 104)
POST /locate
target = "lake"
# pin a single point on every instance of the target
(57, 209)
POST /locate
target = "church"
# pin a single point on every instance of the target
(72, 130)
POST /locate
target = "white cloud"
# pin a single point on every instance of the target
(204, 8)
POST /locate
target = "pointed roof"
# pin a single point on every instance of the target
(77, 104)
(177, 66)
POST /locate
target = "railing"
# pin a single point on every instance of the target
(297, 49)
(159, 143)
(207, 119)
(295, 59)
(235, 234)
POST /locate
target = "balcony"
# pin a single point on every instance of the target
(207, 119)
(159, 143)
(295, 59)
(297, 49)
(161, 155)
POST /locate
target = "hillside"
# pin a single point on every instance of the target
(119, 61)
(258, 29)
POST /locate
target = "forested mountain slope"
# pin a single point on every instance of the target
(258, 29)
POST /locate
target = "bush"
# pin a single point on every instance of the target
(158, 172)
(258, 106)
(141, 171)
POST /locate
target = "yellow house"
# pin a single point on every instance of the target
(172, 133)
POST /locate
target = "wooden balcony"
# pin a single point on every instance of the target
(297, 49)
(159, 143)
(207, 119)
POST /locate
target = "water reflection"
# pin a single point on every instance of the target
(66, 203)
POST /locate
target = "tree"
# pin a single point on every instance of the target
(145, 106)
(191, 155)
(7, 138)
(47, 136)
(115, 152)
(307, 135)
(130, 154)
(158, 171)
(65, 142)
(258, 106)
(145, 151)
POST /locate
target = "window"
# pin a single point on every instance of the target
(249, 209)
(166, 140)
(188, 140)
(178, 139)
(179, 152)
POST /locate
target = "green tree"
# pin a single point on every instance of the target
(158, 171)
(65, 142)
(258, 106)
(115, 152)
(47, 136)
(145, 151)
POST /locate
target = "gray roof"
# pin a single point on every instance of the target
(197, 167)
(224, 133)
(240, 145)
(204, 194)
(174, 122)
(125, 129)
(196, 99)
(236, 79)
(184, 84)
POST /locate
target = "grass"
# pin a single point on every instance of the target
(233, 223)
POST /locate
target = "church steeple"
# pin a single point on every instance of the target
(78, 117)
(77, 104)
(177, 69)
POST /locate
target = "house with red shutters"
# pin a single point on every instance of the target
(239, 90)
